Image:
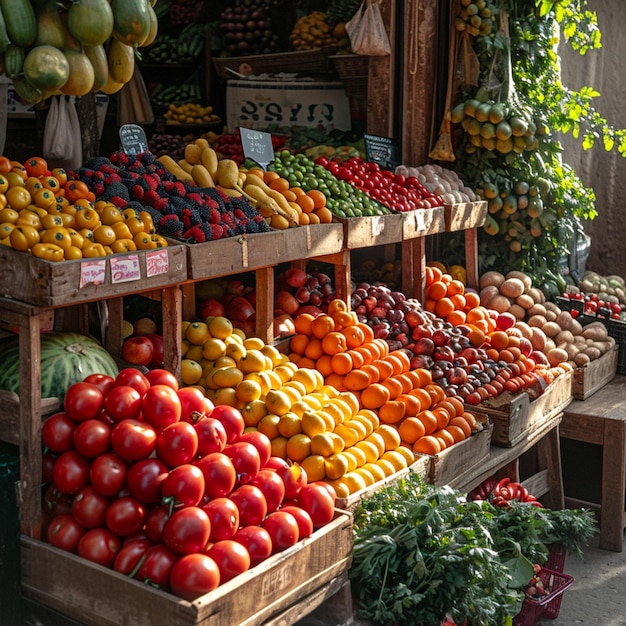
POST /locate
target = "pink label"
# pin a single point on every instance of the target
(157, 262)
(125, 269)
(92, 272)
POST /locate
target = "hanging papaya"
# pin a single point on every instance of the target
(131, 21)
(98, 57)
(154, 28)
(82, 75)
(4, 36)
(121, 61)
(50, 31)
(20, 20)
(47, 68)
(90, 21)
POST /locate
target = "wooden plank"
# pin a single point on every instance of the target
(414, 268)
(422, 222)
(265, 304)
(465, 215)
(377, 230)
(613, 482)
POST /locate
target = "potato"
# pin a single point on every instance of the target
(564, 320)
(537, 309)
(581, 359)
(492, 278)
(536, 320)
(512, 288)
(517, 311)
(500, 303)
(592, 352)
(550, 306)
(596, 331)
(538, 338)
(525, 329)
(550, 345)
(525, 278)
(565, 336)
(525, 301)
(576, 327)
(551, 316)
(552, 329)
(537, 295)
(556, 356)
(570, 348)
(487, 293)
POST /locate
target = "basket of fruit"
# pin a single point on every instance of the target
(544, 594)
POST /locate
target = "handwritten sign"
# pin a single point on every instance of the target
(381, 150)
(157, 262)
(92, 272)
(257, 146)
(125, 268)
(133, 139)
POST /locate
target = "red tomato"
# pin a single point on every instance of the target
(276, 463)
(132, 377)
(57, 432)
(224, 516)
(92, 438)
(232, 419)
(47, 464)
(251, 504)
(71, 472)
(211, 435)
(102, 381)
(245, 458)
(187, 530)
(89, 507)
(185, 484)
(305, 523)
(294, 478)
(133, 439)
(155, 520)
(161, 406)
(122, 402)
(272, 486)
(108, 474)
(144, 480)
(257, 541)
(64, 532)
(283, 529)
(193, 575)
(157, 565)
(161, 376)
(318, 502)
(192, 402)
(177, 444)
(56, 503)
(232, 558)
(261, 442)
(130, 554)
(83, 401)
(99, 545)
(125, 516)
(219, 474)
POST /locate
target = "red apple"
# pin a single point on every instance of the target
(296, 277)
(240, 309)
(212, 308)
(138, 350)
(157, 344)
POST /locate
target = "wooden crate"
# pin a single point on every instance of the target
(421, 467)
(464, 215)
(593, 376)
(423, 222)
(512, 421)
(45, 283)
(97, 596)
(376, 230)
(462, 458)
(10, 415)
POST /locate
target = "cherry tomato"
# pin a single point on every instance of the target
(57, 432)
(272, 486)
(161, 406)
(232, 419)
(92, 438)
(89, 507)
(65, 533)
(305, 523)
(193, 404)
(261, 442)
(102, 381)
(133, 439)
(144, 480)
(251, 504)
(219, 472)
(83, 401)
(71, 472)
(132, 377)
(224, 516)
(257, 541)
(99, 545)
(177, 444)
(193, 575)
(130, 554)
(108, 474)
(211, 435)
(187, 530)
(122, 402)
(184, 484)
(283, 529)
(232, 558)
(157, 565)
(125, 516)
(318, 502)
(159, 376)
(245, 458)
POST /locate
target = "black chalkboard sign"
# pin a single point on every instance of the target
(257, 146)
(133, 139)
(381, 150)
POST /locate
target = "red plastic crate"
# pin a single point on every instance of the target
(548, 606)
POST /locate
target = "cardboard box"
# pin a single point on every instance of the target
(593, 376)
(258, 104)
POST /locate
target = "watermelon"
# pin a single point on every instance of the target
(66, 358)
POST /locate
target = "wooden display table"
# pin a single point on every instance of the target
(601, 420)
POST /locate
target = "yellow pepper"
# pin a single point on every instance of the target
(24, 237)
(48, 251)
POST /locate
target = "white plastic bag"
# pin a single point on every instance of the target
(62, 144)
(366, 31)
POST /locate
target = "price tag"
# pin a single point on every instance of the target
(257, 146)
(157, 262)
(381, 150)
(92, 272)
(133, 139)
(124, 269)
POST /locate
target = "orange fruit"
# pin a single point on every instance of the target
(323, 365)
(411, 403)
(429, 419)
(302, 323)
(333, 343)
(306, 203)
(499, 340)
(374, 396)
(406, 382)
(436, 393)
(442, 414)
(314, 349)
(358, 360)
(385, 368)
(392, 411)
(472, 300)
(444, 307)
(356, 380)
(411, 429)
(427, 445)
(456, 318)
(394, 386)
(455, 287)
(458, 434)
(336, 381)
(322, 325)
(463, 424)
(436, 290)
(354, 336)
(341, 363)
(432, 274)
(423, 397)
(445, 438)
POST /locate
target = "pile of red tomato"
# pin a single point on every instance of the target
(159, 484)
